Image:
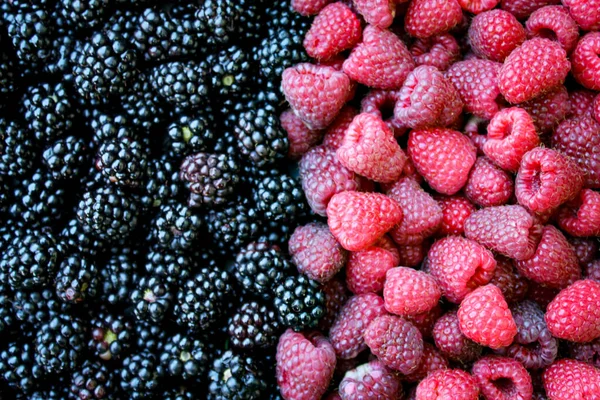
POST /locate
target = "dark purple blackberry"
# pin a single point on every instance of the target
(7, 317)
(74, 237)
(59, 344)
(176, 227)
(183, 84)
(254, 326)
(93, 380)
(122, 24)
(76, 280)
(235, 377)
(149, 336)
(63, 51)
(211, 178)
(66, 158)
(251, 21)
(37, 307)
(178, 393)
(300, 302)
(18, 367)
(277, 233)
(169, 265)
(231, 71)
(87, 14)
(30, 29)
(281, 15)
(184, 358)
(122, 161)
(220, 19)
(162, 184)
(191, 134)
(280, 198)
(151, 298)
(280, 49)
(108, 126)
(140, 375)
(18, 149)
(117, 277)
(111, 336)
(586, 352)
(8, 76)
(142, 104)
(233, 226)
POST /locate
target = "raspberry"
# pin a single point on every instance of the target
(431, 361)
(532, 69)
(488, 185)
(477, 84)
(478, 6)
(422, 215)
(370, 149)
(357, 220)
(460, 265)
(425, 321)
(408, 292)
(380, 13)
(378, 102)
(335, 298)
(547, 179)
(585, 12)
(581, 217)
(309, 7)
(451, 341)
(569, 380)
(443, 156)
(596, 107)
(315, 93)
(438, 51)
(574, 314)
(370, 381)
(548, 110)
(426, 18)
(554, 22)
(523, 8)
(412, 255)
(366, 269)
(455, 211)
(452, 384)
(512, 285)
(334, 135)
(582, 102)
(305, 364)
(397, 343)
(502, 378)
(591, 270)
(301, 137)
(585, 62)
(335, 29)
(586, 352)
(346, 333)
(585, 249)
(381, 60)
(495, 34)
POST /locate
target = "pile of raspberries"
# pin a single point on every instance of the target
(454, 148)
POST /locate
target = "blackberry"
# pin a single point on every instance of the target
(251, 20)
(254, 326)
(162, 183)
(280, 198)
(169, 265)
(59, 344)
(84, 14)
(66, 158)
(8, 76)
(140, 375)
(175, 227)
(7, 318)
(17, 148)
(117, 277)
(30, 29)
(281, 15)
(235, 377)
(178, 393)
(259, 267)
(37, 307)
(122, 24)
(276, 232)
(184, 358)
(211, 178)
(122, 161)
(142, 105)
(151, 298)
(108, 127)
(149, 336)
(74, 236)
(233, 226)
(56, 389)
(231, 71)
(63, 51)
(183, 84)
(76, 280)
(18, 366)
(93, 380)
(299, 302)
(226, 143)
(191, 134)
(220, 19)
(281, 49)
(110, 336)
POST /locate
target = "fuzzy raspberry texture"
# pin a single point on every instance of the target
(366, 269)
(452, 384)
(411, 255)
(547, 179)
(427, 99)
(346, 333)
(510, 282)
(370, 149)
(334, 30)
(380, 61)
(431, 361)
(305, 365)
(408, 292)
(455, 211)
(585, 12)
(574, 314)
(554, 22)
(379, 13)
(427, 18)
(357, 220)
(316, 93)
(586, 352)
(502, 378)
(443, 157)
(309, 7)
(569, 380)
(438, 51)
(397, 343)
(585, 61)
(548, 110)
(532, 69)
(334, 135)
(581, 216)
(495, 34)
(488, 185)
(585, 248)
(523, 8)
(301, 137)
(459, 266)
(336, 296)
(422, 215)
(370, 381)
(477, 84)
(451, 342)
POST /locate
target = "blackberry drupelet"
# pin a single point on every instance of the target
(211, 178)
(162, 183)
(117, 277)
(108, 126)
(74, 236)
(39, 199)
(281, 49)
(151, 298)
(184, 358)
(299, 302)
(281, 15)
(84, 14)
(18, 366)
(183, 84)
(191, 134)
(93, 380)
(277, 233)
(122, 161)
(122, 24)
(280, 198)
(76, 280)
(251, 21)
(254, 326)
(59, 344)
(66, 158)
(18, 150)
(220, 19)
(62, 55)
(49, 111)
(236, 377)
(38, 307)
(7, 317)
(178, 393)
(233, 226)
(111, 336)
(8, 77)
(231, 71)
(169, 265)
(142, 105)
(176, 227)
(30, 29)
(149, 336)
(140, 375)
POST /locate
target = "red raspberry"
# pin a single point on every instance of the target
(488, 185)
(422, 215)
(334, 135)
(547, 179)
(478, 6)
(574, 314)
(585, 12)
(485, 39)
(554, 22)
(316, 93)
(438, 51)
(579, 138)
(380, 13)
(596, 107)
(309, 7)
(512, 285)
(477, 84)
(335, 29)
(451, 341)
(569, 380)
(431, 361)
(305, 364)
(455, 211)
(443, 156)
(585, 249)
(523, 8)
(410, 292)
(301, 138)
(425, 321)
(366, 269)
(335, 298)
(370, 149)
(585, 61)
(541, 294)
(581, 216)
(548, 110)
(427, 18)
(381, 60)
(586, 352)
(502, 378)
(452, 384)
(370, 381)
(460, 265)
(412, 255)
(397, 343)
(346, 334)
(582, 102)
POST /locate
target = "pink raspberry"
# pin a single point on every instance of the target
(533, 69)
(455, 211)
(381, 104)
(585, 61)
(438, 51)
(397, 343)
(412, 255)
(569, 380)
(554, 22)
(585, 12)
(574, 314)
(585, 249)
(478, 6)
(502, 378)
(380, 13)
(523, 8)
(488, 185)
(370, 149)
(431, 361)
(443, 157)
(477, 84)
(452, 384)
(410, 292)
(425, 321)
(316, 93)
(366, 269)
(334, 135)
(485, 39)
(582, 102)
(581, 216)
(346, 333)
(370, 381)
(422, 215)
(548, 110)
(381, 60)
(301, 138)
(305, 364)
(335, 297)
(451, 341)
(335, 29)
(547, 179)
(427, 18)
(510, 282)
(460, 265)
(309, 7)
(586, 352)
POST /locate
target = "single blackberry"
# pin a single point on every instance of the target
(259, 267)
(174, 267)
(277, 233)
(49, 111)
(110, 336)
(183, 84)
(93, 380)
(87, 14)
(175, 227)
(30, 29)
(122, 161)
(74, 236)
(117, 277)
(142, 105)
(191, 134)
(161, 185)
(66, 158)
(254, 326)
(280, 198)
(231, 71)
(108, 126)
(233, 226)
(281, 15)
(299, 302)
(59, 343)
(236, 377)
(184, 358)
(151, 298)
(281, 49)
(122, 24)
(18, 366)
(18, 151)
(76, 280)
(37, 307)
(148, 336)
(7, 317)
(140, 375)
(220, 19)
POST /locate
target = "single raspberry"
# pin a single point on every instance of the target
(455, 211)
(301, 137)
(431, 361)
(381, 104)
(381, 60)
(495, 34)
(532, 69)
(586, 249)
(380, 13)
(586, 352)
(548, 110)
(488, 185)
(541, 294)
(335, 29)
(370, 381)
(336, 296)
(412, 255)
(460, 265)
(585, 61)
(502, 378)
(315, 93)
(334, 135)
(452, 384)
(305, 364)
(410, 292)
(426, 18)
(547, 179)
(366, 269)
(478, 6)
(477, 84)
(451, 341)
(397, 343)
(370, 149)
(346, 333)
(581, 216)
(569, 380)
(523, 8)
(574, 314)
(585, 12)
(438, 51)
(554, 22)
(510, 282)
(582, 102)
(425, 321)
(309, 7)
(422, 215)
